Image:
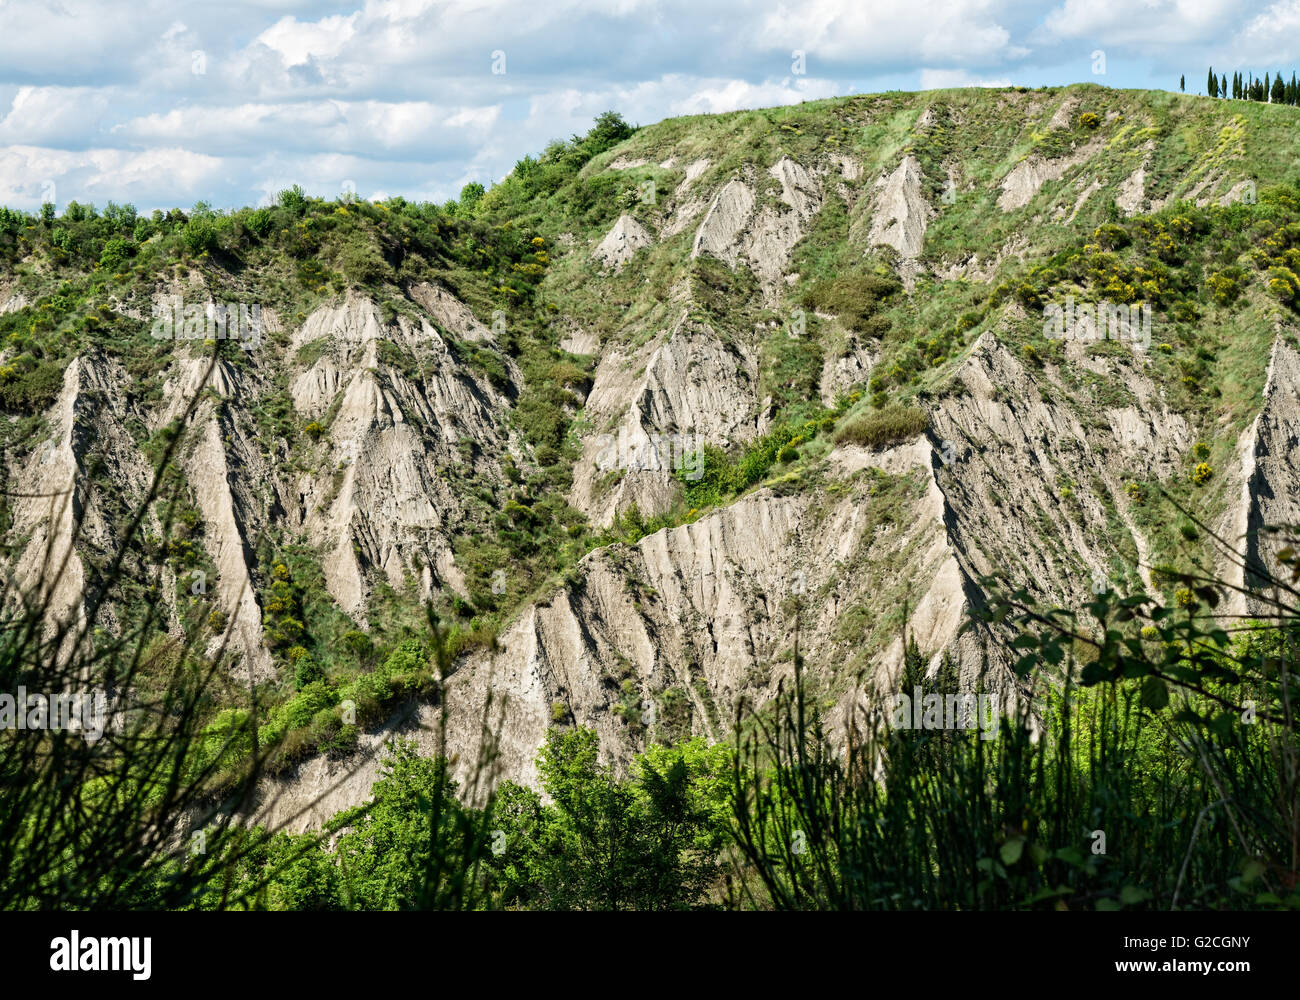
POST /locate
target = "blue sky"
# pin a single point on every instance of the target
(163, 104)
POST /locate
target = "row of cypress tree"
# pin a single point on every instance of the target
(1249, 88)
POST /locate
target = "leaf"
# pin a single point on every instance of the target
(1011, 851)
(1108, 905)
(1155, 693)
(1209, 595)
(1131, 894)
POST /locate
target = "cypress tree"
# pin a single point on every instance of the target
(1223, 86)
(1279, 90)
(1212, 84)
(1182, 84)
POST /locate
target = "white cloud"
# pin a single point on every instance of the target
(1271, 37)
(399, 97)
(941, 30)
(942, 79)
(103, 175)
(359, 127)
(299, 42)
(41, 115)
(1146, 22)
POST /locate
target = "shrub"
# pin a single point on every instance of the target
(293, 199)
(1202, 473)
(891, 425)
(1283, 283)
(199, 234)
(115, 255)
(259, 222)
(307, 672)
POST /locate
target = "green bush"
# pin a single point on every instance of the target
(307, 672)
(893, 424)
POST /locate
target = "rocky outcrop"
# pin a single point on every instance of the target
(1031, 173)
(621, 243)
(384, 503)
(451, 314)
(70, 499)
(1270, 478)
(738, 228)
(652, 410)
(901, 213)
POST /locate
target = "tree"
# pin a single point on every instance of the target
(609, 130)
(294, 199)
(1223, 86)
(470, 195)
(415, 846)
(1279, 90)
(646, 843)
(1182, 84)
(1212, 84)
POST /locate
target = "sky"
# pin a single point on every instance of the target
(163, 103)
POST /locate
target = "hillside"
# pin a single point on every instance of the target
(657, 403)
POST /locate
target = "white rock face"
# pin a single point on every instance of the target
(225, 517)
(1131, 192)
(1029, 175)
(382, 504)
(727, 219)
(621, 243)
(1270, 475)
(702, 609)
(694, 171)
(842, 371)
(64, 502)
(651, 407)
(450, 313)
(736, 229)
(901, 212)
